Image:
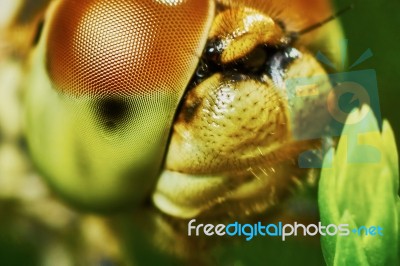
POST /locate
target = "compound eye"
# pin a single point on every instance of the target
(125, 47)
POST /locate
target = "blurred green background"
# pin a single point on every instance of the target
(376, 25)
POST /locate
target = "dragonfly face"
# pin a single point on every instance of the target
(181, 101)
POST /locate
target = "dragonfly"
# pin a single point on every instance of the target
(168, 109)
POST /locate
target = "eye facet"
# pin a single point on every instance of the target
(102, 91)
(113, 111)
(124, 47)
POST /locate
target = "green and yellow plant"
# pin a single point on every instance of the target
(359, 186)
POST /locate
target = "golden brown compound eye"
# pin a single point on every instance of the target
(125, 47)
